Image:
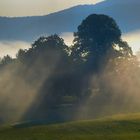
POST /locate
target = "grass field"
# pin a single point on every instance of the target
(120, 127)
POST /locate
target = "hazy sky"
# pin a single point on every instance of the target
(37, 7)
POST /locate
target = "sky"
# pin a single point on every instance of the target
(16, 8)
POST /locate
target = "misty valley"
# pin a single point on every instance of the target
(52, 82)
(89, 89)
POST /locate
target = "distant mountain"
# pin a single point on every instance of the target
(125, 12)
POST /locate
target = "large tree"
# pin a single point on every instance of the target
(97, 40)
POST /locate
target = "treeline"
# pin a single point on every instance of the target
(96, 76)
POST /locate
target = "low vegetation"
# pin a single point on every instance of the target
(121, 127)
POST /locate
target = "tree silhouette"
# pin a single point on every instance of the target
(84, 75)
(97, 40)
(6, 60)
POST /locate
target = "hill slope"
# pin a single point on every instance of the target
(28, 28)
(114, 128)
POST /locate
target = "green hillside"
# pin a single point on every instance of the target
(121, 127)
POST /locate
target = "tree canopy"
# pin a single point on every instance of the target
(98, 39)
(93, 73)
